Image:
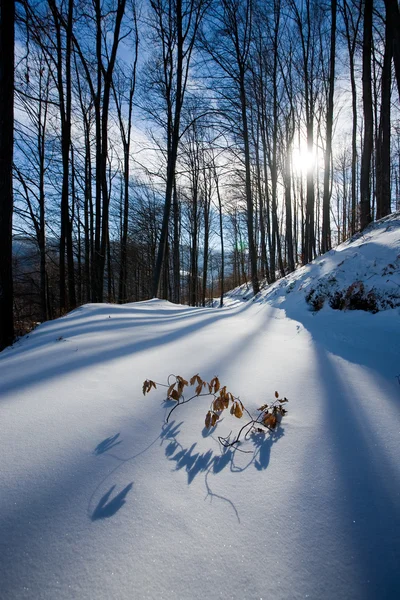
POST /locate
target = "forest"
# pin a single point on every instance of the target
(180, 148)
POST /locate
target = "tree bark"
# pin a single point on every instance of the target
(365, 186)
(7, 19)
(326, 228)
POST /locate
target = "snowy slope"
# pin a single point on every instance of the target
(101, 499)
(370, 259)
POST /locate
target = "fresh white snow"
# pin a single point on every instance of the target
(101, 499)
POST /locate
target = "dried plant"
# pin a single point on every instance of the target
(268, 418)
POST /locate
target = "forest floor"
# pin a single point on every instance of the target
(101, 499)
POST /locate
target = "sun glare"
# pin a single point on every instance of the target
(303, 161)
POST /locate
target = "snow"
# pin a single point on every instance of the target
(100, 498)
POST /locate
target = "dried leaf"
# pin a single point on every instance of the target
(147, 385)
(214, 419)
(218, 404)
(270, 421)
(198, 389)
(175, 395)
(171, 387)
(238, 412)
(276, 395)
(193, 379)
(208, 420)
(215, 384)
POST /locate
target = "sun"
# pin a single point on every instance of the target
(303, 161)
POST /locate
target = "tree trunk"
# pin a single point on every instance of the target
(383, 138)
(365, 189)
(326, 228)
(393, 15)
(7, 17)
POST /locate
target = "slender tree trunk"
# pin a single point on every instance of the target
(383, 138)
(221, 233)
(288, 206)
(7, 18)
(172, 150)
(326, 228)
(176, 247)
(365, 186)
(393, 15)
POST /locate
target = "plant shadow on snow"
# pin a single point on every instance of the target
(107, 444)
(208, 462)
(108, 508)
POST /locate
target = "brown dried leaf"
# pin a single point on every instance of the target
(217, 404)
(198, 389)
(147, 385)
(175, 395)
(207, 421)
(214, 419)
(238, 412)
(276, 395)
(193, 379)
(171, 387)
(215, 384)
(270, 421)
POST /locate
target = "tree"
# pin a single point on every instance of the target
(352, 24)
(126, 130)
(365, 185)
(393, 16)
(229, 44)
(175, 24)
(382, 160)
(326, 229)
(7, 21)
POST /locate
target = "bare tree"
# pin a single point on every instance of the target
(7, 20)
(175, 25)
(228, 43)
(326, 229)
(365, 185)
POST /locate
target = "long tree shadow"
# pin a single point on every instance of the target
(59, 366)
(366, 489)
(107, 508)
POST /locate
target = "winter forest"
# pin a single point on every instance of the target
(180, 148)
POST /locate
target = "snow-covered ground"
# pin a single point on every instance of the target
(100, 499)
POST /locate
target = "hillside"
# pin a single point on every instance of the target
(101, 498)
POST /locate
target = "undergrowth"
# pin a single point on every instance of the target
(355, 297)
(268, 418)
